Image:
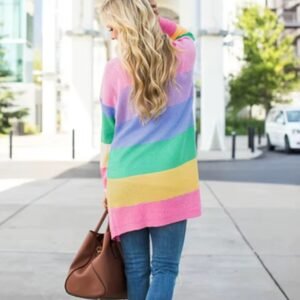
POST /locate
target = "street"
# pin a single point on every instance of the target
(271, 167)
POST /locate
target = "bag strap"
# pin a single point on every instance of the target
(101, 221)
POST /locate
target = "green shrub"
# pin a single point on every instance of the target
(30, 129)
(240, 125)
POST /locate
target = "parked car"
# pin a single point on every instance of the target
(282, 128)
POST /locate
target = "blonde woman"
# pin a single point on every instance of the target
(148, 152)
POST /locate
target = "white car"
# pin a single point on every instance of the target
(282, 128)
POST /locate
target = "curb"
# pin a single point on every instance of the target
(260, 155)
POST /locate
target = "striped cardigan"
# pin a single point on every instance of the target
(150, 173)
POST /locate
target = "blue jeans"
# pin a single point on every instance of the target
(167, 243)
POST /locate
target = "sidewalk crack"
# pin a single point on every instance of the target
(247, 241)
(33, 201)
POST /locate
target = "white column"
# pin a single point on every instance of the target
(189, 17)
(212, 78)
(76, 67)
(49, 67)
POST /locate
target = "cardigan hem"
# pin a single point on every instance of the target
(115, 234)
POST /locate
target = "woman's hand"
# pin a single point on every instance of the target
(154, 6)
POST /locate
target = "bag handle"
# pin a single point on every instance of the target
(101, 221)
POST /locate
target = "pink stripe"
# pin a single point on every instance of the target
(108, 91)
(187, 57)
(159, 213)
(186, 64)
(123, 80)
(103, 172)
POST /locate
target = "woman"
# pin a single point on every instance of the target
(148, 153)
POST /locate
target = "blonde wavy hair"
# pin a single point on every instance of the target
(146, 53)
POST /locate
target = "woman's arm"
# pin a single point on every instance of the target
(107, 100)
(182, 39)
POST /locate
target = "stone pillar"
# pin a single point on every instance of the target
(49, 55)
(212, 77)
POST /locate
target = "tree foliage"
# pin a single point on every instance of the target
(270, 63)
(8, 110)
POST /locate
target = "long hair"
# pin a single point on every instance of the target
(146, 52)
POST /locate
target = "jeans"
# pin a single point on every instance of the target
(167, 243)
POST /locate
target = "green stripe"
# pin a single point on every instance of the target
(186, 34)
(152, 157)
(107, 130)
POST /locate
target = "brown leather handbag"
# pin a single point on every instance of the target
(97, 271)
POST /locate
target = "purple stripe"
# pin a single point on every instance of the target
(176, 119)
(107, 110)
(125, 111)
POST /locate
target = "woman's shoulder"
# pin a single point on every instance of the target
(113, 65)
(116, 74)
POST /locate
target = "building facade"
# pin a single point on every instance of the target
(16, 32)
(289, 13)
(17, 40)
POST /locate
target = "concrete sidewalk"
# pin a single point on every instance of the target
(245, 246)
(59, 148)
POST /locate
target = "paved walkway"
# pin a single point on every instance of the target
(59, 148)
(245, 246)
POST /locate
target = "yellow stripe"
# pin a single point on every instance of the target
(153, 186)
(179, 31)
(104, 154)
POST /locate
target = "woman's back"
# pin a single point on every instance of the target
(150, 172)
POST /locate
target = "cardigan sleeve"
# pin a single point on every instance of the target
(181, 38)
(107, 103)
(173, 30)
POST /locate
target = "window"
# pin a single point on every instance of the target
(290, 17)
(10, 19)
(293, 116)
(13, 56)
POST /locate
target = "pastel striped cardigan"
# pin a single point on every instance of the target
(150, 173)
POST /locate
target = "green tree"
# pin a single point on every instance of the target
(8, 111)
(270, 63)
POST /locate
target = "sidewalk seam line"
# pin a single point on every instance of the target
(246, 241)
(33, 201)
